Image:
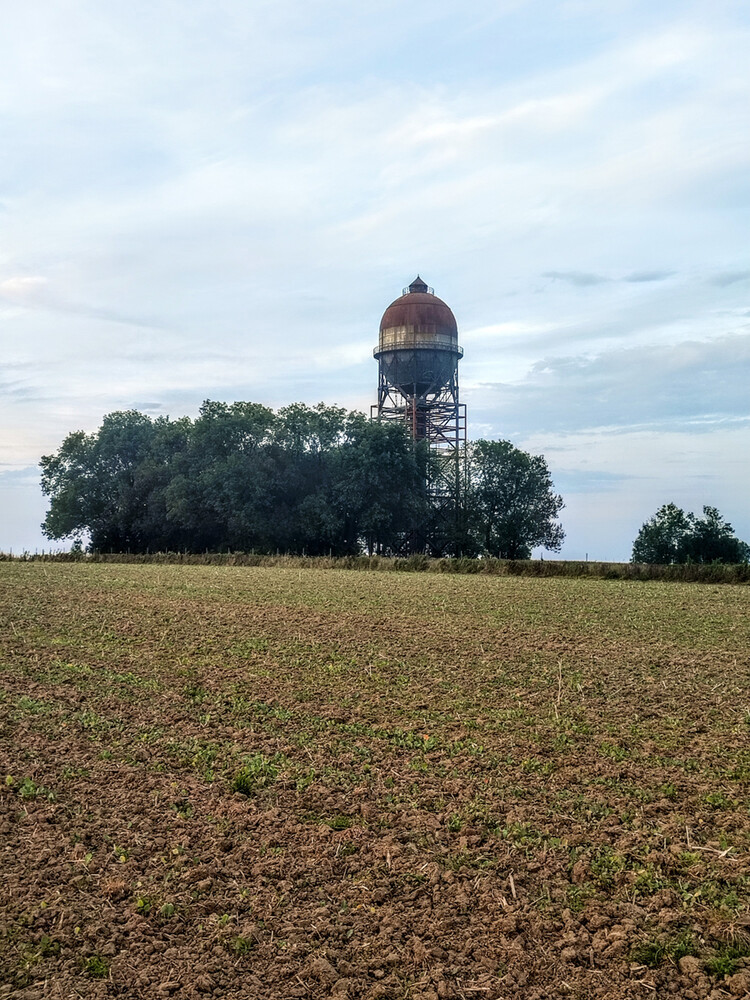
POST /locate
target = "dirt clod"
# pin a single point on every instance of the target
(454, 787)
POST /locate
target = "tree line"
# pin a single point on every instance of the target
(302, 480)
(673, 536)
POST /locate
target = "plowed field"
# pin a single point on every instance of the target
(263, 782)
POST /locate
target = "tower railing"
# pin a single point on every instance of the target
(419, 345)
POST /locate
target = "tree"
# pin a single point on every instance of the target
(512, 501)
(218, 497)
(379, 485)
(305, 479)
(672, 536)
(93, 483)
(66, 479)
(662, 538)
(241, 477)
(712, 539)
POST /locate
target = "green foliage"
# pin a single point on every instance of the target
(257, 772)
(29, 789)
(728, 958)
(96, 967)
(512, 503)
(654, 951)
(241, 945)
(672, 536)
(717, 800)
(605, 866)
(310, 480)
(339, 822)
(48, 947)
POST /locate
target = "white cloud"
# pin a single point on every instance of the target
(26, 290)
(209, 200)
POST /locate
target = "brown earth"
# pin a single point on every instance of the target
(280, 783)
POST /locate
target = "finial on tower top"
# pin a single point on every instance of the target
(418, 285)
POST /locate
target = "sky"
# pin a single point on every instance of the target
(217, 199)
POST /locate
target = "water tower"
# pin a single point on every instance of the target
(418, 357)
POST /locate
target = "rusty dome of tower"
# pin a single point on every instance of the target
(418, 343)
(418, 315)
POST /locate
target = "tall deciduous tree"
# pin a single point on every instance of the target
(672, 536)
(512, 501)
(712, 539)
(95, 482)
(662, 538)
(306, 479)
(380, 485)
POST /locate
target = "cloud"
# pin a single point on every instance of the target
(223, 203)
(24, 290)
(153, 409)
(28, 476)
(693, 385)
(37, 292)
(659, 466)
(640, 277)
(23, 508)
(591, 481)
(581, 279)
(19, 380)
(730, 278)
(511, 329)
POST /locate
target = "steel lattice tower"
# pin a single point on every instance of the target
(418, 357)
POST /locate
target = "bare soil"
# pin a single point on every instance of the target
(252, 782)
